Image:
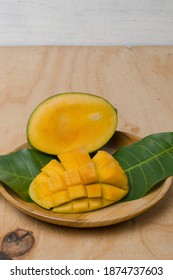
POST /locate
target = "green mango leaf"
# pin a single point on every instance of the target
(146, 163)
(18, 169)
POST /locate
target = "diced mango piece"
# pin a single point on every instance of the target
(81, 155)
(74, 158)
(67, 160)
(39, 187)
(88, 173)
(47, 202)
(108, 170)
(112, 193)
(105, 202)
(122, 183)
(75, 206)
(42, 190)
(77, 191)
(41, 177)
(110, 174)
(80, 205)
(125, 187)
(72, 177)
(53, 167)
(60, 198)
(102, 158)
(57, 183)
(39, 190)
(94, 190)
(94, 203)
(64, 208)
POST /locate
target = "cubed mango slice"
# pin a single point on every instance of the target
(77, 191)
(53, 167)
(64, 208)
(80, 205)
(108, 170)
(88, 173)
(42, 190)
(57, 183)
(83, 205)
(74, 158)
(110, 192)
(60, 198)
(102, 158)
(94, 203)
(47, 202)
(94, 190)
(79, 183)
(72, 177)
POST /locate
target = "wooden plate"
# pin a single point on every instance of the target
(113, 214)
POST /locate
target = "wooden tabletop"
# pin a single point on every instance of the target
(138, 81)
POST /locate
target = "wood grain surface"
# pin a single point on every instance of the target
(138, 81)
(77, 22)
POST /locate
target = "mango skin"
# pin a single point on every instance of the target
(66, 190)
(72, 115)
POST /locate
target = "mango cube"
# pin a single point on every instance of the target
(108, 170)
(40, 178)
(74, 158)
(68, 161)
(53, 167)
(110, 174)
(88, 173)
(112, 193)
(102, 158)
(64, 208)
(57, 183)
(47, 202)
(72, 177)
(105, 202)
(77, 191)
(80, 205)
(42, 190)
(94, 190)
(81, 156)
(94, 203)
(60, 198)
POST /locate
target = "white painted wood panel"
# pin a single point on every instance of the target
(86, 22)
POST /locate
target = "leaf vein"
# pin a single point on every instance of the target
(151, 158)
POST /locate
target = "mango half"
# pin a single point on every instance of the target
(66, 121)
(78, 183)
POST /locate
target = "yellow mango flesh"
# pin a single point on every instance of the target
(54, 167)
(110, 192)
(72, 177)
(77, 191)
(67, 121)
(57, 183)
(108, 169)
(88, 173)
(83, 205)
(94, 190)
(74, 158)
(84, 184)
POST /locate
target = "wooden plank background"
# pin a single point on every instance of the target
(80, 22)
(138, 81)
